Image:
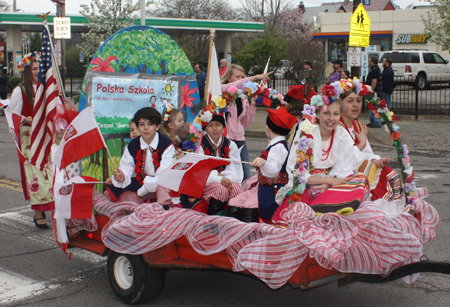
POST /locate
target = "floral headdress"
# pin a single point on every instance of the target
(28, 59)
(332, 91)
(169, 109)
(304, 145)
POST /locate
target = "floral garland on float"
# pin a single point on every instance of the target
(380, 109)
(219, 105)
(304, 144)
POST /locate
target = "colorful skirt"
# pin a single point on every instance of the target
(36, 184)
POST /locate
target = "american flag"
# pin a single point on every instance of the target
(44, 106)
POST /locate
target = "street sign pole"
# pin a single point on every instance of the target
(355, 71)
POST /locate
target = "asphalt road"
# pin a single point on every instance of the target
(35, 272)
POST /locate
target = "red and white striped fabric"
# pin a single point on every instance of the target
(189, 174)
(14, 121)
(220, 192)
(368, 241)
(81, 139)
(45, 105)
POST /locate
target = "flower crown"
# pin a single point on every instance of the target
(28, 59)
(332, 91)
(168, 111)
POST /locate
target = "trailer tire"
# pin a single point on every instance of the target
(132, 280)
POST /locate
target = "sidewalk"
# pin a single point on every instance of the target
(426, 127)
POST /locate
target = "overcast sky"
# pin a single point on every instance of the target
(73, 6)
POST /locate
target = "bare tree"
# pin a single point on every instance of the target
(198, 9)
(196, 46)
(267, 11)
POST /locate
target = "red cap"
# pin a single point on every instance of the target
(298, 92)
(282, 118)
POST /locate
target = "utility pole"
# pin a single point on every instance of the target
(355, 71)
(61, 12)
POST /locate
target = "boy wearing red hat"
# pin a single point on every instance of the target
(259, 201)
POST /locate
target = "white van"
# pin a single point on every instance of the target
(419, 68)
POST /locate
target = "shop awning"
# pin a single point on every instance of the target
(328, 35)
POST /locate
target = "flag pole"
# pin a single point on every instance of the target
(217, 158)
(59, 79)
(212, 34)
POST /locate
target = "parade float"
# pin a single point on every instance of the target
(141, 241)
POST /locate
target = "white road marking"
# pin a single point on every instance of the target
(15, 287)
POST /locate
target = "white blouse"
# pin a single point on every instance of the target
(275, 158)
(233, 171)
(127, 165)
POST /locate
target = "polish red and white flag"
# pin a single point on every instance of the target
(190, 173)
(14, 121)
(81, 139)
(4, 103)
(74, 199)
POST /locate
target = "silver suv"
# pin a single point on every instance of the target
(418, 67)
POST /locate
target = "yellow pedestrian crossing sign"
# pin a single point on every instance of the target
(359, 28)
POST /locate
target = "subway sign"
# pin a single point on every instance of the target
(412, 38)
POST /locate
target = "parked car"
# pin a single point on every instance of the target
(418, 68)
(284, 70)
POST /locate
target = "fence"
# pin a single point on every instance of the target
(406, 99)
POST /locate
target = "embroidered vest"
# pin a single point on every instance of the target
(135, 146)
(210, 149)
(282, 177)
(27, 107)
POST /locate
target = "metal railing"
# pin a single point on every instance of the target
(407, 98)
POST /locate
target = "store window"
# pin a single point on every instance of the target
(337, 49)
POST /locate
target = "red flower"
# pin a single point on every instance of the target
(309, 151)
(207, 152)
(103, 66)
(328, 90)
(395, 118)
(372, 107)
(382, 104)
(186, 99)
(266, 92)
(228, 97)
(395, 136)
(410, 178)
(363, 92)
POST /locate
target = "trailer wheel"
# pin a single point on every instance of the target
(132, 280)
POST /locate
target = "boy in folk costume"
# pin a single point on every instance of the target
(271, 166)
(143, 160)
(224, 182)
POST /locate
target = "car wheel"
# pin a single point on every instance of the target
(421, 82)
(132, 280)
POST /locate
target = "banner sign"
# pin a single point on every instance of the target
(412, 38)
(116, 99)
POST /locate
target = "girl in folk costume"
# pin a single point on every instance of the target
(323, 174)
(259, 201)
(241, 113)
(36, 184)
(171, 119)
(384, 182)
(143, 160)
(223, 183)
